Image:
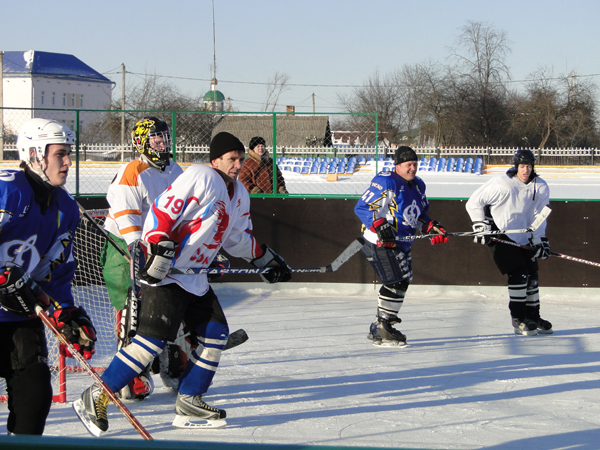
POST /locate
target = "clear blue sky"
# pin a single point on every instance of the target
(320, 44)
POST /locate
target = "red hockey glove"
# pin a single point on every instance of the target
(434, 226)
(76, 326)
(385, 234)
(19, 293)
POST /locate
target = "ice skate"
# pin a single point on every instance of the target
(524, 327)
(190, 408)
(383, 334)
(543, 326)
(91, 409)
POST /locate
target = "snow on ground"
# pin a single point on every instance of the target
(308, 375)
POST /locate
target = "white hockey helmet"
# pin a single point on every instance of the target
(34, 137)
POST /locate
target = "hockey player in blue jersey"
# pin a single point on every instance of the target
(38, 220)
(394, 206)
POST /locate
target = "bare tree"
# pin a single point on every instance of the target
(276, 85)
(482, 64)
(381, 95)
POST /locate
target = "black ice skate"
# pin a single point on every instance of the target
(383, 334)
(543, 326)
(91, 409)
(525, 327)
(189, 408)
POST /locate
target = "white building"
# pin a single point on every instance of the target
(50, 81)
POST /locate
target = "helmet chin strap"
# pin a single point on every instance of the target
(38, 167)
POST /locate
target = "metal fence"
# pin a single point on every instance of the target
(323, 155)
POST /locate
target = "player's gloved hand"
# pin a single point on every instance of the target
(280, 271)
(76, 326)
(541, 246)
(255, 190)
(434, 226)
(483, 226)
(158, 262)
(385, 234)
(19, 293)
(220, 262)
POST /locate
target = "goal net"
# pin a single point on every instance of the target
(90, 292)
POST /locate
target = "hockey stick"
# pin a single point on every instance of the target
(350, 251)
(539, 220)
(86, 366)
(560, 255)
(103, 232)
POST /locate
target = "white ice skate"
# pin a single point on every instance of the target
(192, 412)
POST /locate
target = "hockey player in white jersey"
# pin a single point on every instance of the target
(205, 209)
(512, 201)
(130, 196)
(38, 219)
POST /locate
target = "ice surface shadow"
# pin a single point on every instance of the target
(369, 390)
(580, 440)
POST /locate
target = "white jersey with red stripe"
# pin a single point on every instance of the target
(201, 214)
(131, 194)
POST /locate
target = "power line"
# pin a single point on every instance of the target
(320, 85)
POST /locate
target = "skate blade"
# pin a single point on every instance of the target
(79, 408)
(389, 344)
(186, 422)
(550, 331)
(526, 333)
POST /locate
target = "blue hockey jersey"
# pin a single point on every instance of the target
(390, 196)
(41, 243)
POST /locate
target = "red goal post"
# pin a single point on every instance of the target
(90, 292)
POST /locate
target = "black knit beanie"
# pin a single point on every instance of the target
(256, 140)
(223, 143)
(404, 154)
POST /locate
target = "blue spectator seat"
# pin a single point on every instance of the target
(361, 160)
(460, 165)
(287, 168)
(477, 167)
(296, 168)
(323, 168)
(450, 165)
(441, 165)
(314, 169)
(305, 170)
(331, 168)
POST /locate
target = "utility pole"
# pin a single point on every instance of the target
(123, 114)
(313, 96)
(1, 106)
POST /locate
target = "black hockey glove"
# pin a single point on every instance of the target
(19, 293)
(280, 271)
(385, 234)
(434, 226)
(220, 262)
(483, 226)
(76, 326)
(541, 247)
(158, 261)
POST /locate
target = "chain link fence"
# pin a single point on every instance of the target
(322, 155)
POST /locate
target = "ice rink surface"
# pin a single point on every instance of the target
(308, 374)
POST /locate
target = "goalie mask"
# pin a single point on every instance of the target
(152, 138)
(34, 137)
